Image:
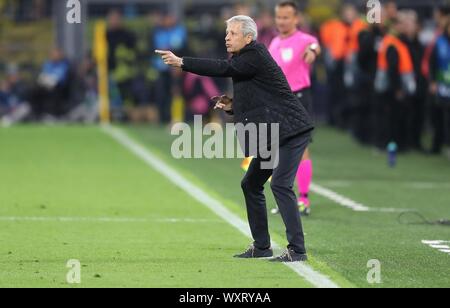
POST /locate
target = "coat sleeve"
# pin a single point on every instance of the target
(244, 66)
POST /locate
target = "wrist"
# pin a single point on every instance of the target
(314, 48)
(314, 52)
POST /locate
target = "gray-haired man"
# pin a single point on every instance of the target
(262, 96)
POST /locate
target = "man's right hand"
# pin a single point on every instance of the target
(223, 102)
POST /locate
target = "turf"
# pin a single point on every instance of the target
(341, 240)
(80, 172)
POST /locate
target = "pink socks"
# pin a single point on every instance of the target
(304, 178)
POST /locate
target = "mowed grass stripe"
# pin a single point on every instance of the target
(79, 172)
(341, 240)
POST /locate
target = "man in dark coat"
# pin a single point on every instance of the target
(262, 96)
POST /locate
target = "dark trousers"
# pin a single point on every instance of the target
(283, 177)
(393, 121)
(440, 114)
(336, 94)
(164, 96)
(46, 101)
(418, 120)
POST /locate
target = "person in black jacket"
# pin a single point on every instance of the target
(440, 89)
(261, 96)
(416, 122)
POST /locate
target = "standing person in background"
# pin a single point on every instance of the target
(354, 26)
(440, 88)
(333, 35)
(295, 52)
(395, 83)
(13, 99)
(417, 51)
(121, 62)
(442, 16)
(354, 108)
(49, 98)
(340, 40)
(169, 35)
(369, 41)
(266, 28)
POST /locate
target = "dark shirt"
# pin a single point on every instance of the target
(115, 39)
(261, 92)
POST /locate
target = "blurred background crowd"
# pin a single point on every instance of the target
(385, 83)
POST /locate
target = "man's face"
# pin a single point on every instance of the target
(442, 20)
(411, 26)
(235, 39)
(170, 21)
(286, 19)
(349, 14)
(391, 10)
(56, 54)
(114, 21)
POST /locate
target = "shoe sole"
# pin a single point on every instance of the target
(274, 260)
(259, 258)
(266, 257)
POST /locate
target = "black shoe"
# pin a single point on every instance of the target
(254, 253)
(290, 256)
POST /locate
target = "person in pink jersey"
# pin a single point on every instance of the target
(295, 52)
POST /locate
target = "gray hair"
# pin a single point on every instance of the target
(249, 26)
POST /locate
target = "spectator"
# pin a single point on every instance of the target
(198, 91)
(395, 83)
(440, 88)
(87, 110)
(417, 51)
(50, 97)
(367, 56)
(441, 19)
(266, 28)
(340, 40)
(169, 35)
(13, 104)
(122, 55)
(4, 98)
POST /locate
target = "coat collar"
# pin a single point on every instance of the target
(246, 48)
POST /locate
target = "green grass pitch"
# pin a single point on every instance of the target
(71, 192)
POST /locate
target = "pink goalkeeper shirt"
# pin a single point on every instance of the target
(288, 53)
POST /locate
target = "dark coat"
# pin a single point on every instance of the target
(262, 94)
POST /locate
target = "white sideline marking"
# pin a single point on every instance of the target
(315, 278)
(349, 203)
(107, 219)
(339, 199)
(433, 242)
(439, 245)
(404, 184)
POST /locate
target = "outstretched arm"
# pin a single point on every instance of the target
(242, 66)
